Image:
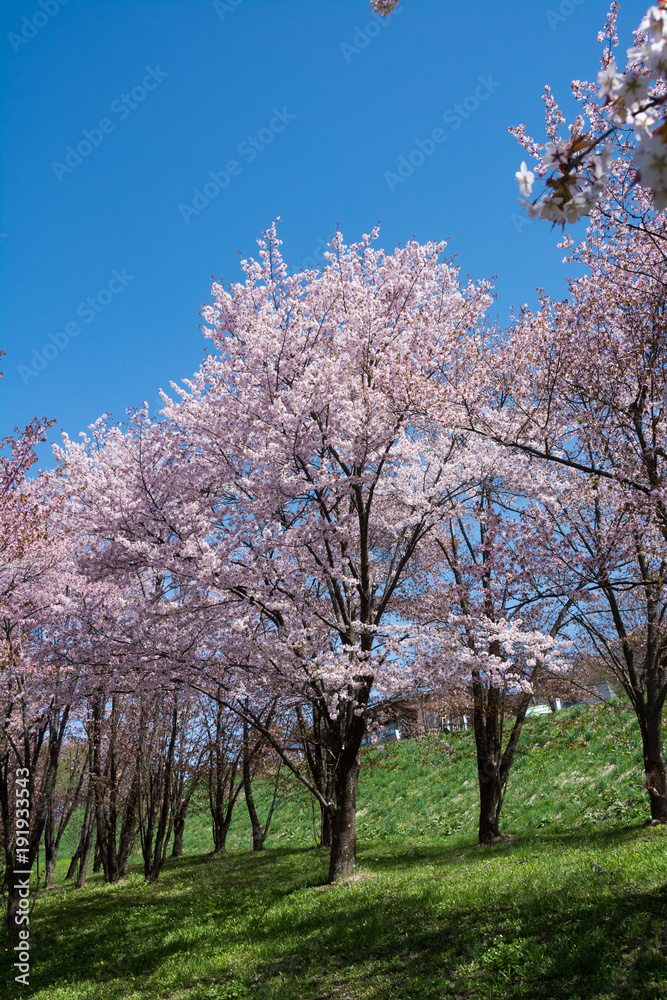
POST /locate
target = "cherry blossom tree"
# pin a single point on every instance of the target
(618, 550)
(284, 495)
(37, 690)
(488, 591)
(581, 386)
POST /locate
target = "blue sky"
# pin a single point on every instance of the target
(146, 143)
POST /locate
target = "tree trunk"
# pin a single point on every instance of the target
(50, 851)
(343, 827)
(488, 742)
(489, 801)
(128, 831)
(325, 827)
(220, 829)
(73, 863)
(160, 838)
(180, 814)
(654, 766)
(179, 830)
(97, 860)
(259, 832)
(86, 842)
(51, 856)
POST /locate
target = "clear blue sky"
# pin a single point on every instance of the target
(301, 108)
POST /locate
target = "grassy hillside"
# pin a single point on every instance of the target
(575, 768)
(570, 904)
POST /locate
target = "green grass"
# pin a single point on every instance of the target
(570, 904)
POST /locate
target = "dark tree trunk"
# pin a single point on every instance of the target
(488, 740)
(320, 757)
(494, 764)
(50, 852)
(160, 838)
(343, 828)
(14, 915)
(179, 830)
(220, 830)
(37, 805)
(85, 847)
(180, 813)
(489, 801)
(82, 854)
(222, 801)
(128, 831)
(73, 863)
(654, 765)
(147, 827)
(259, 831)
(325, 827)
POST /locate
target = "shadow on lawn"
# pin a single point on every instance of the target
(388, 948)
(451, 851)
(107, 933)
(379, 943)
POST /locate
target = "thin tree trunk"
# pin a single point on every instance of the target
(259, 832)
(85, 838)
(160, 839)
(180, 816)
(128, 831)
(85, 847)
(73, 863)
(50, 851)
(97, 859)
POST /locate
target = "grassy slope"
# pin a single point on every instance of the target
(572, 903)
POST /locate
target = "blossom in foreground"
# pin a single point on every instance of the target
(631, 120)
(651, 162)
(525, 178)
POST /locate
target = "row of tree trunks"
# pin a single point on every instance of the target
(114, 849)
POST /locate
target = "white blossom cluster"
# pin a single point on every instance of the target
(633, 100)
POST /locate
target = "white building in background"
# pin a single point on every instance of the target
(597, 692)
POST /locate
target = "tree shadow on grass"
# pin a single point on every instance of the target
(113, 935)
(380, 938)
(447, 853)
(384, 949)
